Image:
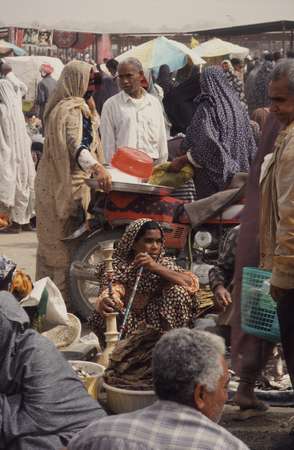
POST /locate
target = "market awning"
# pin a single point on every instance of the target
(130, 16)
(217, 47)
(281, 25)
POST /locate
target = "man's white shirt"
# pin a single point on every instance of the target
(135, 123)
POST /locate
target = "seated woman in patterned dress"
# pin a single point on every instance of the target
(166, 294)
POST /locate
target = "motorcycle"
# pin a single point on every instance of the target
(195, 247)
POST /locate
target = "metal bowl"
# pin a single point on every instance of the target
(137, 188)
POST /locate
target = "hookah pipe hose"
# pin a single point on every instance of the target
(130, 303)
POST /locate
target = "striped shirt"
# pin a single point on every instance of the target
(162, 426)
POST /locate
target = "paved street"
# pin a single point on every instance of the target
(21, 248)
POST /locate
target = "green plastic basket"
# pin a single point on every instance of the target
(258, 309)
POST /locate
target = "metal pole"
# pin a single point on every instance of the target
(284, 37)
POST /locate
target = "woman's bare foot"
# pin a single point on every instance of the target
(245, 398)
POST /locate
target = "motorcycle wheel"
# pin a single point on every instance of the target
(89, 254)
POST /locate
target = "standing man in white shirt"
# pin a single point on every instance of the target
(133, 118)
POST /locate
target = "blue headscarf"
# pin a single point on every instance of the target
(220, 138)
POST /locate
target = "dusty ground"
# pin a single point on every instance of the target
(21, 248)
(268, 432)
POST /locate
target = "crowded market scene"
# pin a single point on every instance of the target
(146, 229)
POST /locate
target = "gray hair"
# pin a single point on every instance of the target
(183, 358)
(284, 68)
(134, 62)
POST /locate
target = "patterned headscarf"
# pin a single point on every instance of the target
(234, 81)
(262, 82)
(125, 271)
(124, 247)
(220, 136)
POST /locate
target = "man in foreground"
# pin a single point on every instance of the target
(42, 402)
(190, 378)
(277, 207)
(133, 117)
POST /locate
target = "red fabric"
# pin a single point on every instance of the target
(64, 39)
(124, 206)
(19, 34)
(84, 41)
(46, 68)
(104, 50)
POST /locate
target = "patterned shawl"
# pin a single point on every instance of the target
(63, 128)
(220, 136)
(256, 87)
(124, 270)
(235, 82)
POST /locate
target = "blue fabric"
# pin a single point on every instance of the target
(220, 136)
(87, 132)
(174, 57)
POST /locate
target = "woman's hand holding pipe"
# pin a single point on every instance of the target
(146, 261)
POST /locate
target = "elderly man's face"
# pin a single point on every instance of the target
(211, 404)
(282, 101)
(130, 79)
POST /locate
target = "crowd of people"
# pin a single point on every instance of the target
(236, 119)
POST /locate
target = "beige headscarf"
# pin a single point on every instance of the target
(63, 132)
(73, 82)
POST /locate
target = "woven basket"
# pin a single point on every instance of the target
(258, 309)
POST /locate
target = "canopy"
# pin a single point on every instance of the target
(217, 47)
(161, 50)
(27, 69)
(131, 16)
(7, 47)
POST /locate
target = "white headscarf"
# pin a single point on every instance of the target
(17, 171)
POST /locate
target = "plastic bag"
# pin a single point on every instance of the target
(54, 308)
(162, 177)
